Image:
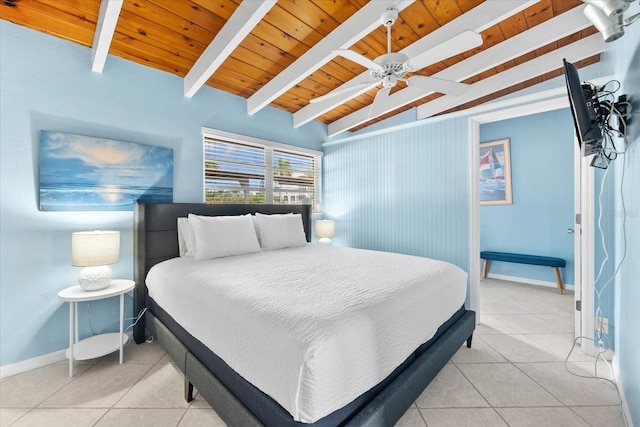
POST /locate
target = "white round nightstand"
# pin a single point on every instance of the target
(97, 345)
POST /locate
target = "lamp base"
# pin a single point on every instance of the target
(325, 240)
(94, 278)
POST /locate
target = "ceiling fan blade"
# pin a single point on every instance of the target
(448, 87)
(357, 58)
(340, 91)
(455, 45)
(381, 96)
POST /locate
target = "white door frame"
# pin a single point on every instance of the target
(585, 274)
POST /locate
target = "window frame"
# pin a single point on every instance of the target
(269, 147)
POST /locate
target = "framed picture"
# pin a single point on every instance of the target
(495, 173)
(83, 173)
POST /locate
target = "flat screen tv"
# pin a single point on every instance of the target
(585, 107)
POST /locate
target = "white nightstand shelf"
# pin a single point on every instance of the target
(97, 345)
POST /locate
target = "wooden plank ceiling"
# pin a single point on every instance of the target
(171, 35)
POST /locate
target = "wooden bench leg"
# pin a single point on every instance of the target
(556, 270)
(485, 269)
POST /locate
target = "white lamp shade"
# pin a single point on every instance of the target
(325, 228)
(95, 248)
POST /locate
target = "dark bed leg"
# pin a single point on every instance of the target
(188, 390)
(469, 341)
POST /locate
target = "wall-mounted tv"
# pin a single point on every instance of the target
(592, 108)
(584, 107)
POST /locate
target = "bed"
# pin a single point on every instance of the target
(238, 401)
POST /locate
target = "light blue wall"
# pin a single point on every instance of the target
(542, 188)
(47, 83)
(406, 191)
(625, 55)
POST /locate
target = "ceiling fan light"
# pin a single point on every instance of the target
(610, 27)
(609, 7)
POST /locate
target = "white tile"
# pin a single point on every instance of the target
(450, 389)
(411, 418)
(161, 387)
(520, 348)
(479, 352)
(535, 417)
(461, 417)
(569, 389)
(100, 387)
(196, 417)
(601, 416)
(503, 385)
(141, 418)
(60, 417)
(10, 415)
(561, 345)
(29, 389)
(491, 324)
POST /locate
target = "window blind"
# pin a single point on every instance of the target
(256, 171)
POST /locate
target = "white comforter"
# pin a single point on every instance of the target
(313, 327)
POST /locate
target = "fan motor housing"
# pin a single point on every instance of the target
(395, 63)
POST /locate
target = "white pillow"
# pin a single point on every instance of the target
(280, 231)
(222, 236)
(186, 241)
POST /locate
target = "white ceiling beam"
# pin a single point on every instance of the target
(538, 36)
(106, 26)
(246, 16)
(551, 61)
(348, 33)
(477, 19)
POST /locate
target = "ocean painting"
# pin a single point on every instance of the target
(82, 173)
(495, 173)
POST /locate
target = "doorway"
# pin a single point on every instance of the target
(583, 237)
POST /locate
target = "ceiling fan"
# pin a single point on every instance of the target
(392, 67)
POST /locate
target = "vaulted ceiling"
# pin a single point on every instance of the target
(282, 53)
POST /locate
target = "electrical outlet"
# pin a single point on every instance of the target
(602, 322)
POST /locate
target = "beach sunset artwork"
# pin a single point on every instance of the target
(82, 173)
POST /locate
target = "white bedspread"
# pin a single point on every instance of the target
(313, 327)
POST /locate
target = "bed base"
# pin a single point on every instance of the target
(385, 409)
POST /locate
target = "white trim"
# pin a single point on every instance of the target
(33, 363)
(617, 375)
(528, 281)
(244, 139)
(246, 16)
(474, 185)
(105, 28)
(588, 246)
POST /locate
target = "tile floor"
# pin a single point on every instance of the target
(514, 375)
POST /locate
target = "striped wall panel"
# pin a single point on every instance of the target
(404, 191)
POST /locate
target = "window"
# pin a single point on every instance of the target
(240, 169)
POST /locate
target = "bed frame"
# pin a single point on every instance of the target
(156, 240)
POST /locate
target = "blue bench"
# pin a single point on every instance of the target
(552, 262)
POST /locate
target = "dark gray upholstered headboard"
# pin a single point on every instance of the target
(155, 237)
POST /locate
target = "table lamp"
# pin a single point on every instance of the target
(94, 250)
(325, 230)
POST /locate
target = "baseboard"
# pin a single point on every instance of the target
(33, 363)
(625, 405)
(529, 281)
